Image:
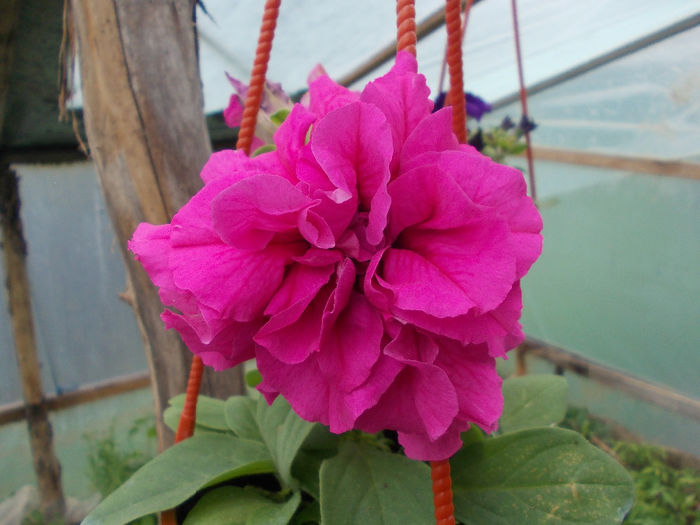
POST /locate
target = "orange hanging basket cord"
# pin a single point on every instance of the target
(257, 75)
(406, 37)
(442, 492)
(455, 96)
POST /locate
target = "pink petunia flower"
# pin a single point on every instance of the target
(371, 264)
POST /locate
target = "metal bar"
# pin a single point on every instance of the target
(658, 395)
(601, 60)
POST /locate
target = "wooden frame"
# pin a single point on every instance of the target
(13, 412)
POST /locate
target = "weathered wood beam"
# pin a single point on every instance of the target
(14, 251)
(655, 394)
(669, 168)
(12, 412)
(148, 138)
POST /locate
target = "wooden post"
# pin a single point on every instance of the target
(148, 138)
(46, 466)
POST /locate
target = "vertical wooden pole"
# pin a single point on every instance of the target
(46, 466)
(148, 138)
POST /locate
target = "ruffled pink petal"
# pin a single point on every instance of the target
(230, 347)
(472, 371)
(289, 334)
(302, 385)
(429, 199)
(236, 165)
(417, 284)
(491, 327)
(477, 258)
(233, 114)
(357, 162)
(314, 398)
(350, 345)
(421, 400)
(151, 244)
(251, 213)
(290, 138)
(502, 189)
(294, 340)
(325, 96)
(422, 448)
(403, 96)
(432, 135)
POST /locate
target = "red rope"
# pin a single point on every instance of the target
(257, 76)
(185, 427)
(406, 26)
(442, 492)
(465, 20)
(455, 97)
(523, 101)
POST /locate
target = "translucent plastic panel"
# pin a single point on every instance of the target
(85, 332)
(618, 278)
(338, 34)
(555, 37)
(75, 431)
(645, 104)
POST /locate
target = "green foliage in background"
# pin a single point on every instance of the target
(111, 465)
(664, 493)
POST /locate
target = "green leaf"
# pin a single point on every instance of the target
(319, 445)
(310, 513)
(241, 506)
(178, 473)
(544, 475)
(253, 378)
(279, 116)
(473, 435)
(263, 149)
(279, 514)
(276, 425)
(365, 486)
(210, 412)
(533, 401)
(240, 414)
(283, 432)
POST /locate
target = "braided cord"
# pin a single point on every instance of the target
(257, 76)
(406, 26)
(442, 492)
(455, 96)
(185, 427)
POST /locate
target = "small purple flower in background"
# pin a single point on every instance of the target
(476, 107)
(507, 123)
(526, 124)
